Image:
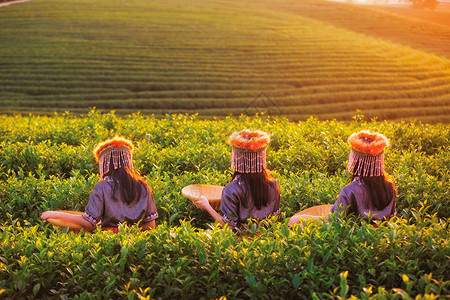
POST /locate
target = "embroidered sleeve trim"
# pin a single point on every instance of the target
(90, 219)
(151, 217)
(229, 221)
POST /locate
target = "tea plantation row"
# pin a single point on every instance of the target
(325, 261)
(46, 163)
(219, 57)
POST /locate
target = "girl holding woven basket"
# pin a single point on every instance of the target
(120, 196)
(252, 193)
(371, 194)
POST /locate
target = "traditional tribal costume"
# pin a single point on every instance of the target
(248, 156)
(102, 206)
(366, 160)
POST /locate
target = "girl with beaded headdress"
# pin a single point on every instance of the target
(252, 193)
(371, 194)
(120, 196)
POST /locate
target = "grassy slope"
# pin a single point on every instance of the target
(46, 163)
(216, 57)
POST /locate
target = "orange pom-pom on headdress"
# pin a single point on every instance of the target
(116, 151)
(372, 143)
(367, 153)
(249, 150)
(250, 140)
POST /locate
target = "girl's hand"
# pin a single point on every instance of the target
(48, 215)
(203, 203)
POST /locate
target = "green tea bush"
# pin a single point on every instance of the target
(324, 260)
(308, 158)
(25, 196)
(47, 164)
(45, 159)
(430, 139)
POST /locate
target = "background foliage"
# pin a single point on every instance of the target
(46, 163)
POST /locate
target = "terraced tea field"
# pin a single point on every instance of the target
(216, 58)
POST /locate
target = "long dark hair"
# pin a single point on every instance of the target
(126, 182)
(381, 189)
(258, 184)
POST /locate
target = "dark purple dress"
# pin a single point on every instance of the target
(236, 193)
(102, 207)
(355, 198)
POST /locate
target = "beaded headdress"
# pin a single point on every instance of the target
(116, 151)
(367, 153)
(249, 151)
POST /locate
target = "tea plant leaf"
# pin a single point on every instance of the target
(285, 231)
(296, 281)
(36, 289)
(402, 293)
(405, 278)
(343, 284)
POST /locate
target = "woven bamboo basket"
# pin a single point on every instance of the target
(319, 210)
(212, 192)
(63, 223)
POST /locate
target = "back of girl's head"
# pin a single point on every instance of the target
(248, 159)
(259, 185)
(113, 154)
(366, 160)
(248, 153)
(367, 153)
(116, 161)
(126, 183)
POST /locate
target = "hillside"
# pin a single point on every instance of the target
(422, 29)
(47, 164)
(215, 58)
(440, 15)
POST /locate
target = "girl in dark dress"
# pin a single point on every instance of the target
(121, 195)
(252, 193)
(371, 194)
